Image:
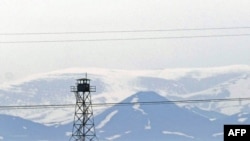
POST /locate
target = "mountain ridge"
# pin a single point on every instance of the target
(131, 122)
(116, 85)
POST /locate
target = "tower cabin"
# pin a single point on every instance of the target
(83, 85)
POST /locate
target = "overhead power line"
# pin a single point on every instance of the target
(123, 103)
(124, 39)
(127, 31)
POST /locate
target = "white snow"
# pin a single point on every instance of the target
(240, 88)
(200, 73)
(177, 133)
(242, 120)
(212, 119)
(137, 106)
(53, 117)
(115, 73)
(107, 119)
(242, 114)
(127, 132)
(148, 126)
(120, 84)
(48, 117)
(113, 137)
(237, 88)
(218, 134)
(229, 108)
(68, 134)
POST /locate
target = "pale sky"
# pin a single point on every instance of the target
(18, 60)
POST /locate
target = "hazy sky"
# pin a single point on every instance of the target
(18, 60)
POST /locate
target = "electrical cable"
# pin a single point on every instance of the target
(128, 31)
(123, 39)
(123, 103)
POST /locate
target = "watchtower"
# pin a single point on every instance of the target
(83, 126)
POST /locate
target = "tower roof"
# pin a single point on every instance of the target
(83, 79)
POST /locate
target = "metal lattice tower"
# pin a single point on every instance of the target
(83, 127)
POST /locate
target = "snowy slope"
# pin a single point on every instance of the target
(18, 129)
(117, 85)
(147, 122)
(162, 121)
(132, 122)
(117, 123)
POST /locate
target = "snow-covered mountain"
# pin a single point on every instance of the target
(158, 122)
(162, 121)
(133, 122)
(119, 85)
(15, 128)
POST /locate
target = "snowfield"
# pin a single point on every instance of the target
(125, 122)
